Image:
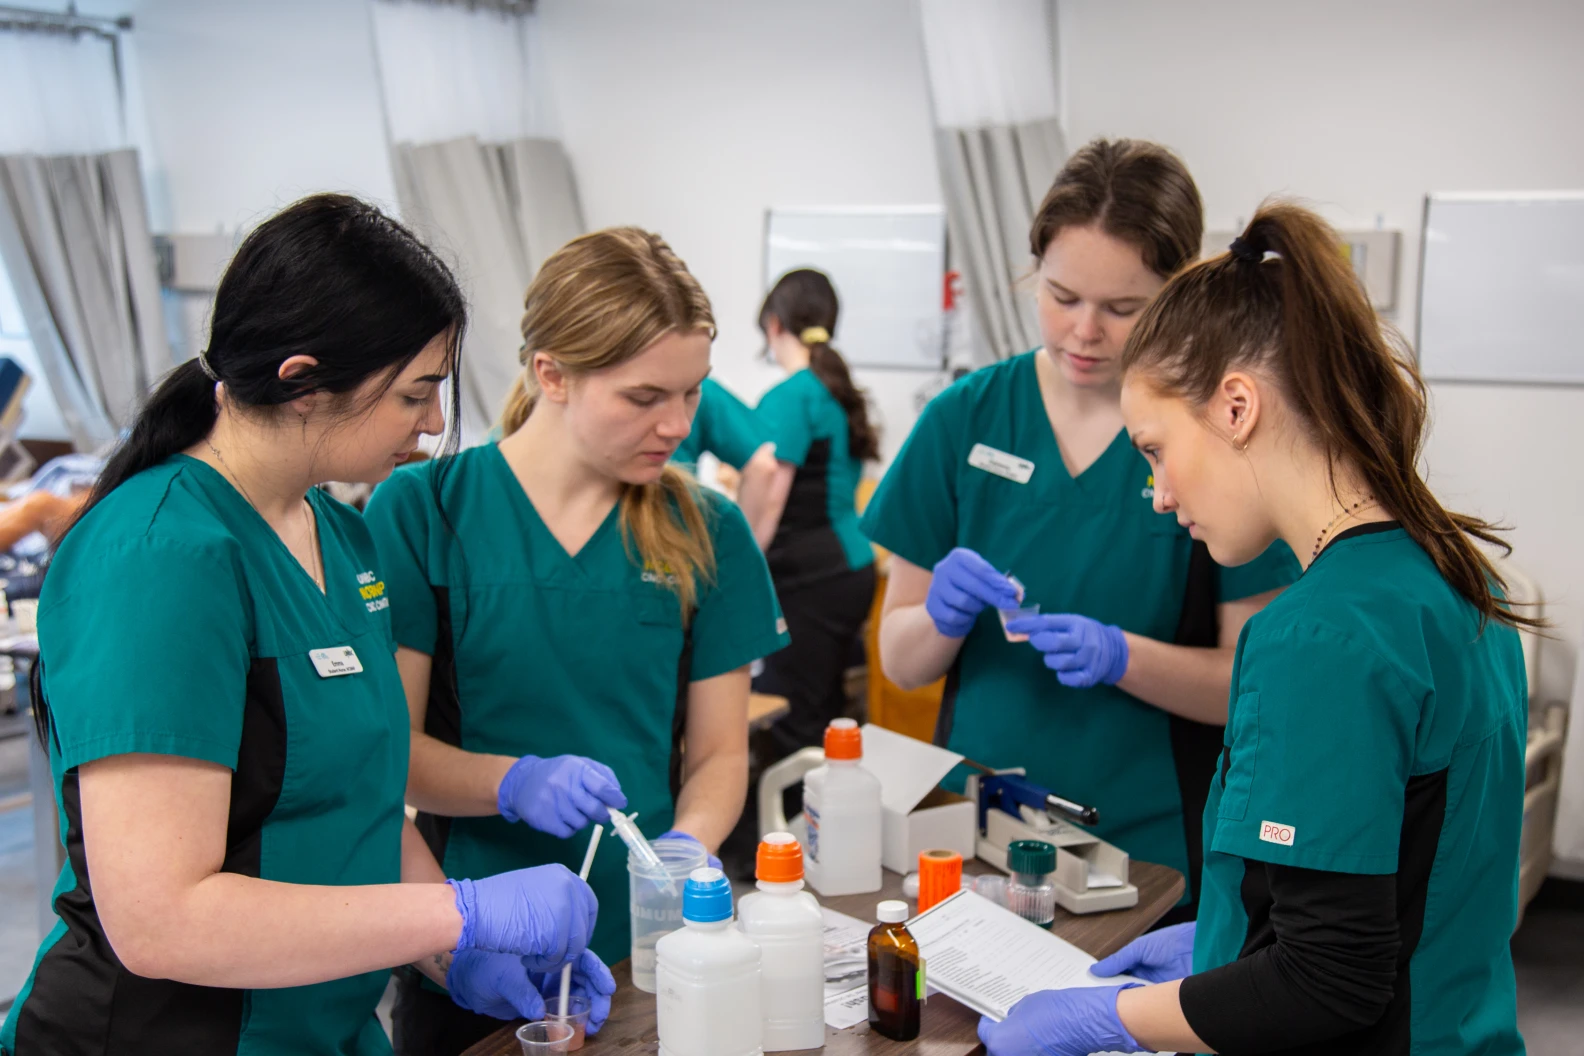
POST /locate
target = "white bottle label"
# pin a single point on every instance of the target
(811, 815)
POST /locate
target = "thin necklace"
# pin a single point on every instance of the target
(1346, 512)
(317, 572)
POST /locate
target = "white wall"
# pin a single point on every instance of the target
(693, 117)
(252, 105)
(1362, 107)
(239, 108)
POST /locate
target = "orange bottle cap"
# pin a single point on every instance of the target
(843, 740)
(780, 859)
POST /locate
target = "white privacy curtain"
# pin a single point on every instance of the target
(479, 171)
(74, 230)
(992, 72)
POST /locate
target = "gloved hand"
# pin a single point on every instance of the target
(678, 834)
(560, 795)
(964, 585)
(1158, 957)
(590, 979)
(544, 914)
(497, 984)
(1072, 1022)
(1082, 652)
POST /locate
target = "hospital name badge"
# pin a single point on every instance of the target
(1001, 463)
(335, 661)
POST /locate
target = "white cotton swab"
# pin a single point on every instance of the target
(566, 970)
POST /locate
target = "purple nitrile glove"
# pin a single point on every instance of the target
(678, 834)
(560, 795)
(962, 586)
(494, 984)
(544, 915)
(590, 979)
(1082, 652)
(1158, 957)
(1073, 1022)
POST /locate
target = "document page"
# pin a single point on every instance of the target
(989, 958)
(846, 970)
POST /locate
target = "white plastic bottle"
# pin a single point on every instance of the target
(787, 924)
(707, 977)
(841, 802)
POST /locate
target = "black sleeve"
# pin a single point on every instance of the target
(1331, 969)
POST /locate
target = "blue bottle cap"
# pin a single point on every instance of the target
(706, 897)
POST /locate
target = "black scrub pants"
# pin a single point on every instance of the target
(425, 1023)
(823, 618)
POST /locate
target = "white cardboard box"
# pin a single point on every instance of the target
(916, 814)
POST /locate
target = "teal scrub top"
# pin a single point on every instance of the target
(1091, 545)
(174, 621)
(1376, 728)
(818, 535)
(724, 426)
(538, 652)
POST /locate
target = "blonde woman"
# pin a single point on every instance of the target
(572, 593)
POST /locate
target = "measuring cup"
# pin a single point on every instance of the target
(656, 906)
(1008, 615)
(543, 1037)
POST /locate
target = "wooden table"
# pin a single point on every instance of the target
(948, 1028)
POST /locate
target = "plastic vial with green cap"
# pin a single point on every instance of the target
(1030, 893)
(896, 975)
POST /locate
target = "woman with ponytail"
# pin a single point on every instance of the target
(808, 518)
(1023, 467)
(570, 593)
(1361, 835)
(218, 695)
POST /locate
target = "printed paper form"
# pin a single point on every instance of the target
(846, 951)
(989, 958)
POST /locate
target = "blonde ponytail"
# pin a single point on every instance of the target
(598, 301)
(519, 405)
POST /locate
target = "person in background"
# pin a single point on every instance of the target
(219, 697)
(1361, 837)
(1116, 698)
(727, 428)
(822, 565)
(568, 593)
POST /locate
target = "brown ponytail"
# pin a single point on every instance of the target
(1285, 302)
(804, 300)
(598, 301)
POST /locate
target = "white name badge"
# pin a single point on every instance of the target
(337, 660)
(1001, 463)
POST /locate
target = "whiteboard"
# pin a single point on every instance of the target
(888, 265)
(1501, 288)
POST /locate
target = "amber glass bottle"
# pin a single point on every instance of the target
(896, 975)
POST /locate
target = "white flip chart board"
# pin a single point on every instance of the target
(1501, 288)
(888, 265)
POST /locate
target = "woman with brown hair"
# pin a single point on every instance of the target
(1023, 467)
(822, 565)
(571, 594)
(1361, 837)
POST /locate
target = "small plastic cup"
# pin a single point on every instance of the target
(545, 1036)
(1008, 615)
(576, 1016)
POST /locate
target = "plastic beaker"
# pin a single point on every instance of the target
(545, 1036)
(1008, 615)
(576, 1016)
(655, 904)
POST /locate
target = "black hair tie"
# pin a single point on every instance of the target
(1241, 250)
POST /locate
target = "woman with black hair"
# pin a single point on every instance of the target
(219, 696)
(822, 565)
